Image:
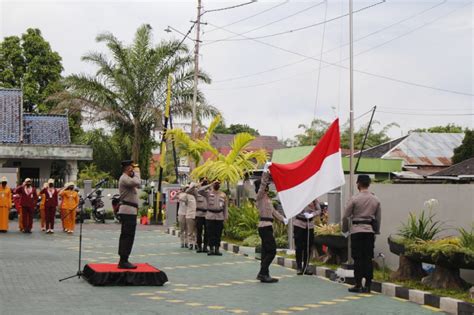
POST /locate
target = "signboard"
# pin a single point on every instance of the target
(172, 193)
(183, 169)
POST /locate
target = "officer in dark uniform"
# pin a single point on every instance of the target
(129, 183)
(201, 233)
(365, 212)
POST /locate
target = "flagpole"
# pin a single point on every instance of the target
(351, 121)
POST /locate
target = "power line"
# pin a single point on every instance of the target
(423, 114)
(431, 109)
(229, 8)
(210, 41)
(332, 49)
(359, 71)
(296, 29)
(251, 16)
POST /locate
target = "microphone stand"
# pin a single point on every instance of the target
(79, 272)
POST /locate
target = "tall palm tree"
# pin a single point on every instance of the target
(128, 91)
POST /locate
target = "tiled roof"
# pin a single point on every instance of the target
(427, 149)
(465, 167)
(45, 129)
(223, 141)
(10, 115)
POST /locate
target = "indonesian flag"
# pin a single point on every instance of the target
(301, 182)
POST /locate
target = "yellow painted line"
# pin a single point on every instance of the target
(431, 308)
(210, 286)
(143, 294)
(155, 298)
(238, 311)
(180, 290)
(297, 308)
(175, 301)
(252, 281)
(283, 312)
(399, 299)
(238, 282)
(225, 284)
(194, 304)
(264, 314)
(340, 300)
(352, 297)
(195, 288)
(180, 267)
(216, 307)
(162, 292)
(327, 303)
(194, 266)
(366, 295)
(312, 305)
(180, 285)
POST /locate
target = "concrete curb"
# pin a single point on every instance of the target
(445, 304)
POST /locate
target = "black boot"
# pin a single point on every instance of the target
(267, 279)
(299, 271)
(204, 249)
(198, 249)
(217, 252)
(211, 251)
(355, 289)
(125, 264)
(191, 247)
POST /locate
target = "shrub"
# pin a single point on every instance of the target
(327, 229)
(252, 241)
(423, 227)
(467, 238)
(282, 242)
(241, 222)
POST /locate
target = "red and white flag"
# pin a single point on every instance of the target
(301, 182)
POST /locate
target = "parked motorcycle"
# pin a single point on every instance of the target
(115, 206)
(98, 210)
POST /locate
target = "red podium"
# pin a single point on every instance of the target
(111, 275)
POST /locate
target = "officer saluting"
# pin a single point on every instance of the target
(365, 212)
(129, 182)
(201, 203)
(215, 216)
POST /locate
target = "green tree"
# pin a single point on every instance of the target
(466, 149)
(234, 129)
(312, 133)
(92, 172)
(128, 91)
(29, 63)
(449, 128)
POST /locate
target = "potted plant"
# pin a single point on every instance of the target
(330, 235)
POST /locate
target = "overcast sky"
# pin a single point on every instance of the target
(426, 44)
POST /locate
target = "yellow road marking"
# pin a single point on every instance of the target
(195, 288)
(180, 290)
(327, 303)
(340, 300)
(180, 285)
(210, 286)
(162, 292)
(312, 305)
(143, 294)
(283, 312)
(297, 308)
(155, 298)
(175, 301)
(216, 307)
(399, 299)
(238, 311)
(238, 282)
(224, 284)
(352, 297)
(431, 308)
(194, 304)
(366, 295)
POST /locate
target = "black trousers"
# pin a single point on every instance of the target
(302, 247)
(127, 235)
(362, 246)
(214, 232)
(201, 231)
(268, 249)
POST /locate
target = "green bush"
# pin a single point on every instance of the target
(241, 222)
(252, 241)
(282, 242)
(467, 238)
(423, 227)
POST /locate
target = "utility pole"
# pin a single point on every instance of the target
(196, 70)
(351, 103)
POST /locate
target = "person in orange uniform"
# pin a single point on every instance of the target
(70, 201)
(5, 204)
(42, 209)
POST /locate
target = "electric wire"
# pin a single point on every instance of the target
(335, 48)
(423, 113)
(358, 71)
(250, 17)
(210, 41)
(231, 38)
(229, 8)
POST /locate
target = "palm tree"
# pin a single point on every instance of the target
(128, 90)
(232, 167)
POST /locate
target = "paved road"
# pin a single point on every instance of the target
(30, 266)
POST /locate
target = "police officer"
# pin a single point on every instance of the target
(365, 212)
(215, 216)
(129, 183)
(201, 203)
(266, 213)
(303, 233)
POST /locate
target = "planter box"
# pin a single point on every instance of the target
(396, 248)
(333, 241)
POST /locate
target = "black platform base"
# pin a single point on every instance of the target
(110, 275)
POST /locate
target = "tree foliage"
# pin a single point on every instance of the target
(466, 149)
(234, 129)
(449, 128)
(128, 90)
(29, 63)
(312, 134)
